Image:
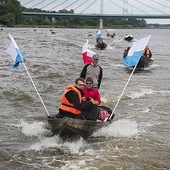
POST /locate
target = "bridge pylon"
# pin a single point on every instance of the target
(101, 12)
(101, 23)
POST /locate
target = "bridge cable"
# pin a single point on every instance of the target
(149, 6)
(37, 3)
(88, 6)
(160, 4)
(58, 5)
(117, 5)
(28, 2)
(71, 4)
(135, 7)
(48, 4)
(81, 4)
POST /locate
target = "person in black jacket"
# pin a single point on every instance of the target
(93, 70)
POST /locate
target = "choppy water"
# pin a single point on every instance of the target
(138, 139)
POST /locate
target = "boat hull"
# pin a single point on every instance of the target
(128, 38)
(101, 46)
(144, 62)
(70, 128)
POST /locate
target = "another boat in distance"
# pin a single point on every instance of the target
(101, 46)
(144, 62)
(139, 55)
(128, 37)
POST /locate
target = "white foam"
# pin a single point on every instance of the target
(55, 142)
(120, 128)
(139, 94)
(33, 129)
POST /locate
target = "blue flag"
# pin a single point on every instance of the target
(99, 34)
(135, 52)
(14, 51)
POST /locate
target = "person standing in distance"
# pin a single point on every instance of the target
(93, 70)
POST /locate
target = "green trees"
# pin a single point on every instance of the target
(10, 12)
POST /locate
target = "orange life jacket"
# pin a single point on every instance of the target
(66, 105)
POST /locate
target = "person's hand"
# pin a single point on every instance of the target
(83, 98)
(94, 101)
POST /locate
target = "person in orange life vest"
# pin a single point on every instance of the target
(147, 52)
(71, 100)
(91, 92)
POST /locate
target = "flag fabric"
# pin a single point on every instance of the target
(14, 51)
(87, 54)
(99, 34)
(135, 52)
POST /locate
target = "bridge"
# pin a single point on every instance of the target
(167, 16)
(147, 9)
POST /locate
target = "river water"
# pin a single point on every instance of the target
(137, 139)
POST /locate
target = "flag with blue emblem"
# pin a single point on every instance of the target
(99, 34)
(135, 52)
(14, 51)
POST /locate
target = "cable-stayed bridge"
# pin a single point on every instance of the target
(147, 9)
(102, 6)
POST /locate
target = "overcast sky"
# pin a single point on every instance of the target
(109, 7)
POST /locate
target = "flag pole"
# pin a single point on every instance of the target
(35, 88)
(122, 92)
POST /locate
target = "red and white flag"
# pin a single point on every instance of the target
(87, 54)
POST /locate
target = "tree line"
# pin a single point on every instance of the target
(11, 16)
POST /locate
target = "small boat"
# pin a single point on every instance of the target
(53, 32)
(90, 33)
(101, 46)
(110, 33)
(144, 62)
(128, 37)
(138, 57)
(73, 128)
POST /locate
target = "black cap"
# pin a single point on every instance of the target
(89, 79)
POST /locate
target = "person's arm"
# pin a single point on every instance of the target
(100, 77)
(83, 72)
(97, 97)
(73, 97)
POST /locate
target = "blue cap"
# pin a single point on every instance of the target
(95, 57)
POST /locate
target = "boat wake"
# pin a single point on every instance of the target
(120, 128)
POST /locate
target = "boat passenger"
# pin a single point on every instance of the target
(100, 44)
(126, 52)
(90, 33)
(72, 105)
(147, 52)
(93, 70)
(91, 92)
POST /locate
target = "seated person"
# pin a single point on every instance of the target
(100, 43)
(126, 52)
(91, 92)
(147, 52)
(72, 105)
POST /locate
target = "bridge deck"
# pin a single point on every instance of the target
(150, 16)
